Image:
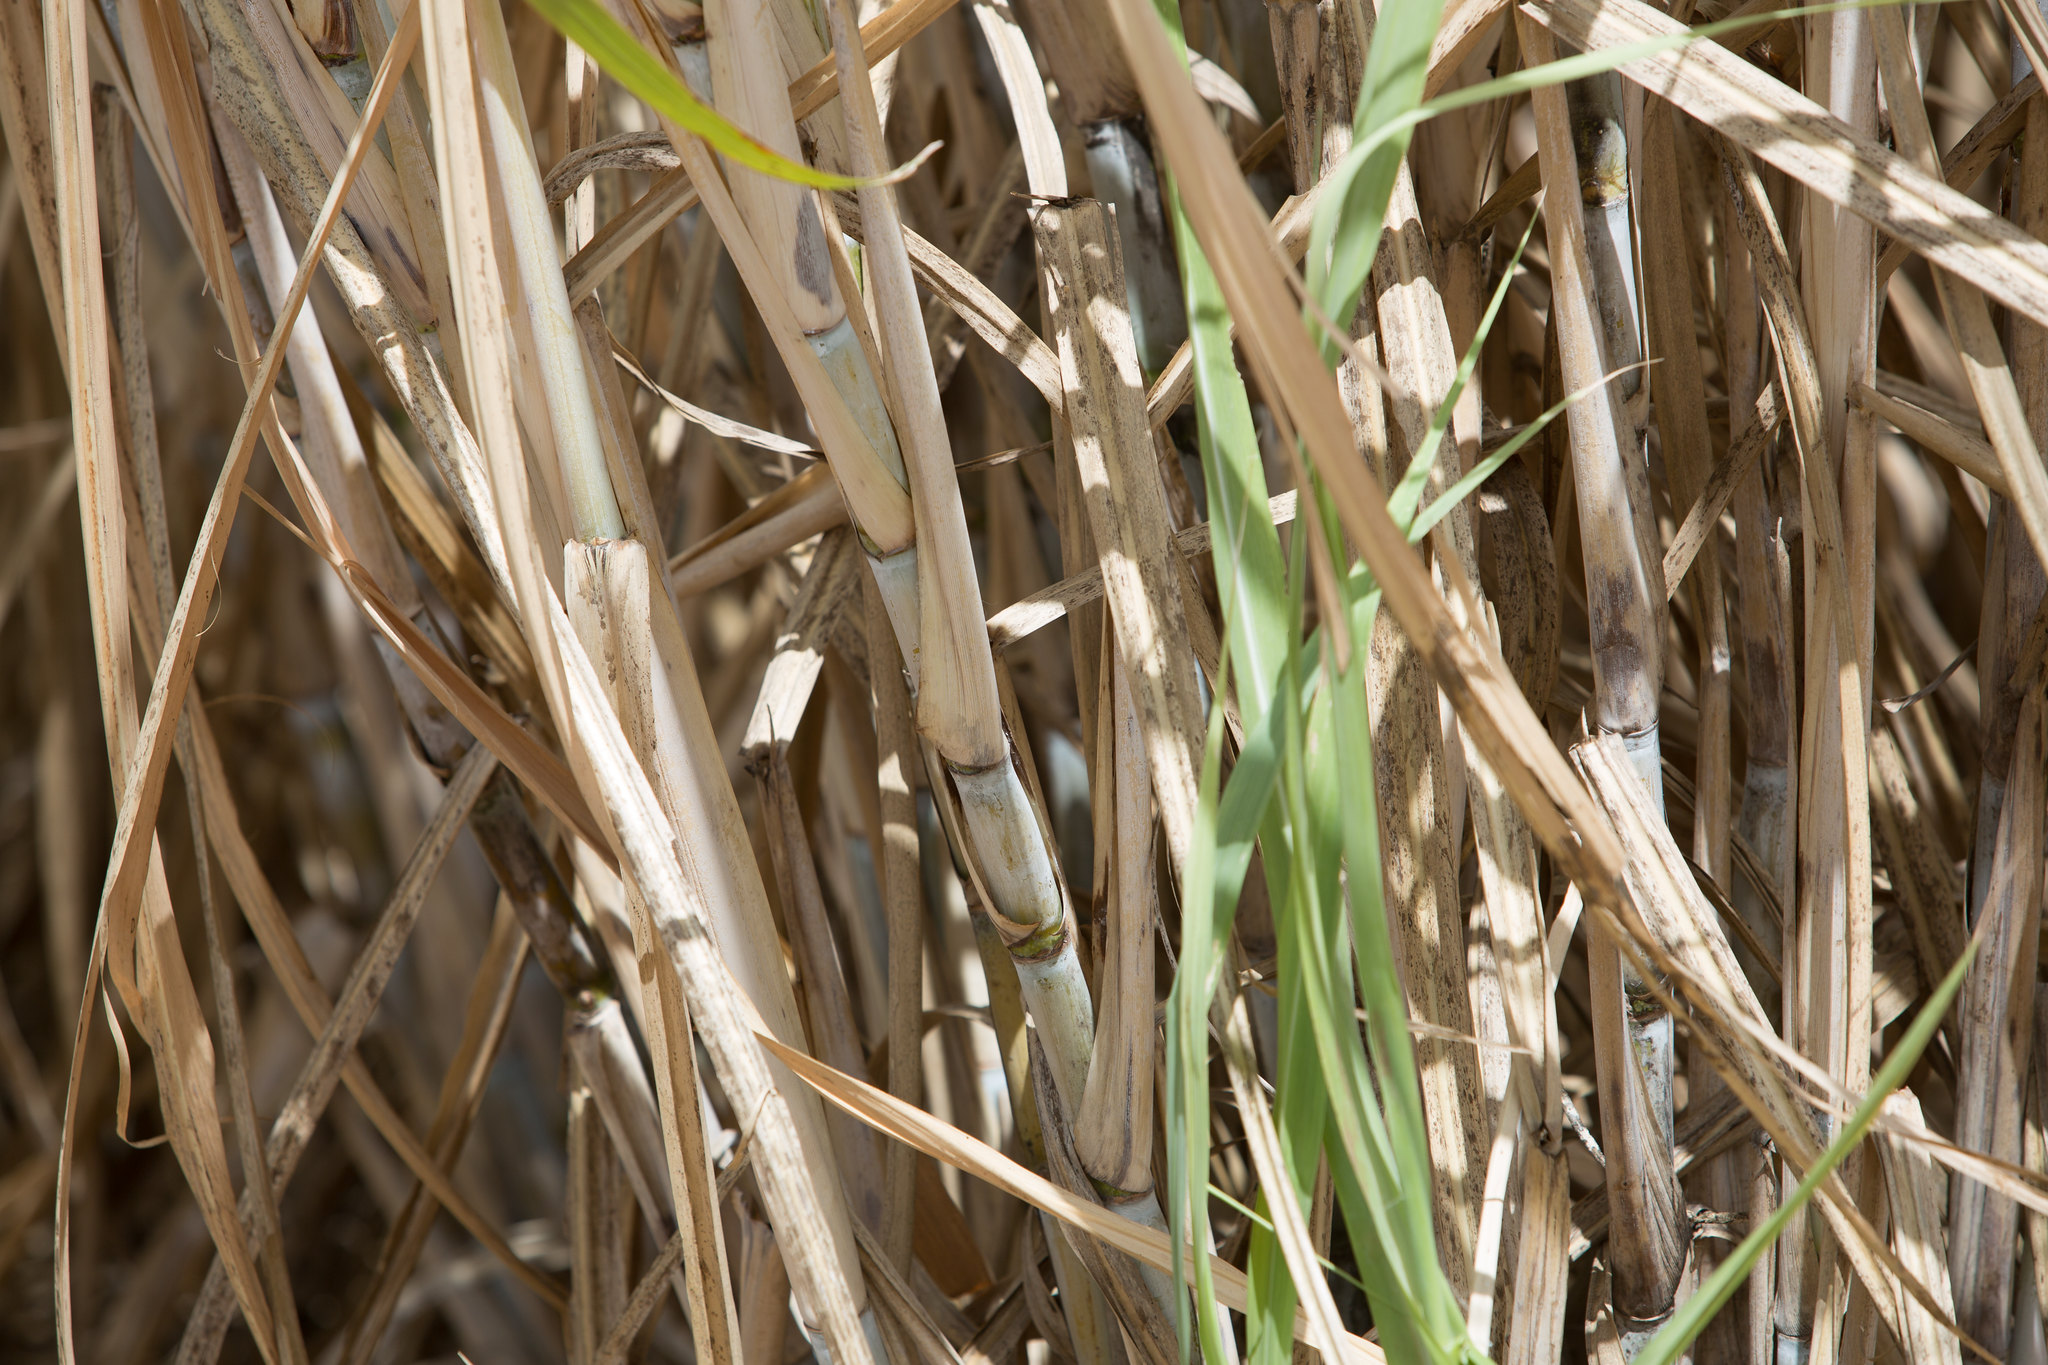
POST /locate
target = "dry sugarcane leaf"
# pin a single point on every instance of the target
(910, 1204)
(1970, 325)
(1964, 449)
(1518, 564)
(1681, 933)
(137, 941)
(310, 1001)
(1965, 162)
(1929, 891)
(638, 823)
(779, 522)
(1706, 1130)
(142, 785)
(1995, 1031)
(270, 52)
(975, 304)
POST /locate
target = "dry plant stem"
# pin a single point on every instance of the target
(1680, 394)
(1917, 1195)
(1633, 1037)
(1114, 1127)
(626, 616)
(1676, 384)
(1097, 95)
(945, 1143)
(1668, 916)
(852, 429)
(337, 460)
(1419, 756)
(1296, 27)
(957, 706)
(596, 1237)
(1126, 504)
(1834, 849)
(1765, 818)
(1143, 1313)
(499, 820)
(593, 507)
(1791, 132)
(743, 42)
(1627, 657)
(1816, 974)
(606, 1059)
(1121, 171)
(1763, 569)
(1508, 877)
(834, 1031)
(626, 620)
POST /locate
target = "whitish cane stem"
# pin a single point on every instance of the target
(1587, 254)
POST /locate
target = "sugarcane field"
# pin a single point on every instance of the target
(1023, 682)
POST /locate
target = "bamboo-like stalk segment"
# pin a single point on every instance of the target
(1633, 1036)
(959, 714)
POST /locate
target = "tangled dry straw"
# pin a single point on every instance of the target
(991, 682)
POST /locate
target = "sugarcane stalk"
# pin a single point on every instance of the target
(1008, 848)
(417, 378)
(897, 861)
(1765, 813)
(1586, 208)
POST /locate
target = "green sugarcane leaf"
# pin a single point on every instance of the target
(586, 24)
